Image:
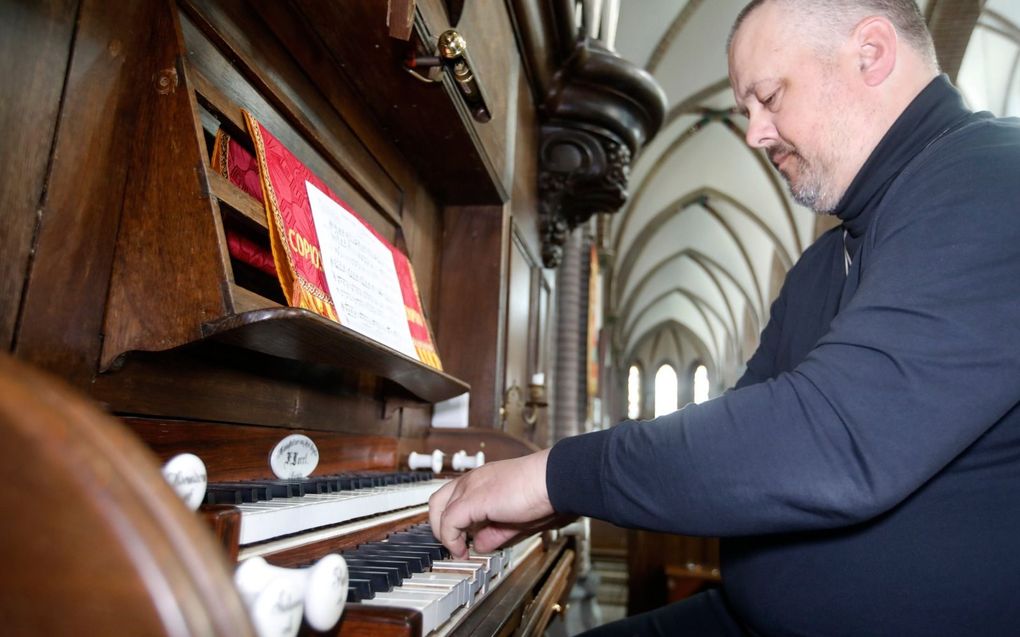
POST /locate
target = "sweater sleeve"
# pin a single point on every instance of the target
(914, 369)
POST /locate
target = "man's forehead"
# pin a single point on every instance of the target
(757, 45)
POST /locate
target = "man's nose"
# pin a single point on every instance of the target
(761, 131)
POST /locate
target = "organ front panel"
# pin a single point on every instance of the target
(125, 282)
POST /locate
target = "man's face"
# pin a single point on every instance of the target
(799, 109)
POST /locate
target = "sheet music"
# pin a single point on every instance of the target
(360, 273)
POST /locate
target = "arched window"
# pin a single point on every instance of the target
(634, 392)
(700, 384)
(665, 391)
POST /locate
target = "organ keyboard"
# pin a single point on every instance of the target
(409, 570)
(275, 508)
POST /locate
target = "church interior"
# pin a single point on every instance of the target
(341, 252)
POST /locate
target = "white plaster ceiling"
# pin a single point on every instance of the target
(708, 220)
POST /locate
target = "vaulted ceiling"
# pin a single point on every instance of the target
(698, 252)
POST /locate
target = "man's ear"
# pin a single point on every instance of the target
(875, 41)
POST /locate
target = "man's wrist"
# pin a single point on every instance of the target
(574, 474)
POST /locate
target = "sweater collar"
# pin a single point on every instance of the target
(926, 118)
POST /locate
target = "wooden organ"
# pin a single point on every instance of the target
(120, 285)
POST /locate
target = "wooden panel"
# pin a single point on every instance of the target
(519, 313)
(651, 556)
(93, 537)
(524, 203)
(486, 26)
(235, 452)
(951, 23)
(469, 324)
(551, 598)
(497, 445)
(239, 200)
(169, 273)
(427, 122)
(222, 384)
(65, 298)
(34, 51)
(299, 335)
(422, 232)
(359, 620)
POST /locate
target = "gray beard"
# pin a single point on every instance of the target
(813, 193)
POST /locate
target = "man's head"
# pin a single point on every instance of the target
(821, 82)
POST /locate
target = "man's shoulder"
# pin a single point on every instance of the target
(976, 156)
(981, 134)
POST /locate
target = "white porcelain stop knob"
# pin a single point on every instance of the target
(463, 462)
(432, 461)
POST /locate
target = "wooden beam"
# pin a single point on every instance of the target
(951, 23)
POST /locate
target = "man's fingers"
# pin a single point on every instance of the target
(490, 538)
(453, 526)
(507, 496)
(437, 504)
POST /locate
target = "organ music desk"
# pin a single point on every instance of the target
(120, 284)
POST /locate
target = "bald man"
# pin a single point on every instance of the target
(864, 473)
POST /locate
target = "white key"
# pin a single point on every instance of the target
(427, 603)
(459, 584)
(283, 516)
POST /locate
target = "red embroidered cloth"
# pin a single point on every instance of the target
(295, 243)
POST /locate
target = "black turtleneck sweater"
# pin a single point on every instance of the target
(865, 471)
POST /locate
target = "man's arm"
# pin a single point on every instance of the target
(912, 372)
(914, 369)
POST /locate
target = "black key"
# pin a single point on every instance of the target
(425, 554)
(359, 589)
(222, 496)
(375, 561)
(436, 551)
(414, 563)
(379, 580)
(392, 570)
(247, 491)
(284, 488)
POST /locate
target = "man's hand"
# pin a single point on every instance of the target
(493, 503)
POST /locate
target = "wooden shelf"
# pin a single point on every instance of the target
(300, 335)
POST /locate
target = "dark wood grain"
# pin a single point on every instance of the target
(951, 23)
(313, 550)
(427, 122)
(65, 299)
(296, 334)
(242, 202)
(191, 355)
(34, 53)
(236, 452)
(225, 522)
(169, 270)
(93, 537)
(220, 383)
(359, 620)
(650, 556)
(470, 324)
(497, 445)
(551, 598)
